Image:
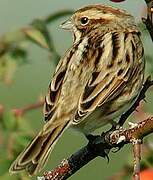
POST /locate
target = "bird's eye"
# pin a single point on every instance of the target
(84, 20)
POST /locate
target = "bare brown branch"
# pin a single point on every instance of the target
(137, 158)
(1, 110)
(21, 111)
(101, 146)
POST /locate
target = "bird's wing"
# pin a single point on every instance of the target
(55, 86)
(107, 82)
(97, 95)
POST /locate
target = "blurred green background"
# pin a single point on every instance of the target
(31, 80)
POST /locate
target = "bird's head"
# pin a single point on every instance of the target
(105, 18)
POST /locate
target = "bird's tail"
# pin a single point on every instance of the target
(36, 154)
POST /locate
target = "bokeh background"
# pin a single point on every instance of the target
(25, 81)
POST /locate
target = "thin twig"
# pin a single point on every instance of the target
(101, 146)
(1, 110)
(137, 157)
(21, 111)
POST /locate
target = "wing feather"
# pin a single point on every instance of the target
(108, 82)
(55, 86)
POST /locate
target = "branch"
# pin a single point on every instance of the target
(149, 21)
(1, 110)
(100, 146)
(137, 158)
(21, 111)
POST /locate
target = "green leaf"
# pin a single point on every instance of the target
(24, 125)
(18, 52)
(22, 139)
(36, 36)
(7, 69)
(40, 25)
(5, 164)
(39, 34)
(9, 121)
(8, 176)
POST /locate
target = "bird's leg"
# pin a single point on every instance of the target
(91, 138)
(117, 125)
(98, 141)
(114, 125)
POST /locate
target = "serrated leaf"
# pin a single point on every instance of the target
(36, 36)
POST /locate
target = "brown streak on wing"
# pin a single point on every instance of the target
(56, 84)
(105, 86)
(116, 44)
(116, 89)
(101, 98)
(59, 79)
(97, 59)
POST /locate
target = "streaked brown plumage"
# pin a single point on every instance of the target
(98, 79)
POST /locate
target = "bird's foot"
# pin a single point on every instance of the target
(94, 139)
(116, 149)
(96, 142)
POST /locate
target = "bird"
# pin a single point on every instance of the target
(95, 82)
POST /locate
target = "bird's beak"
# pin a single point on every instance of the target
(67, 25)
